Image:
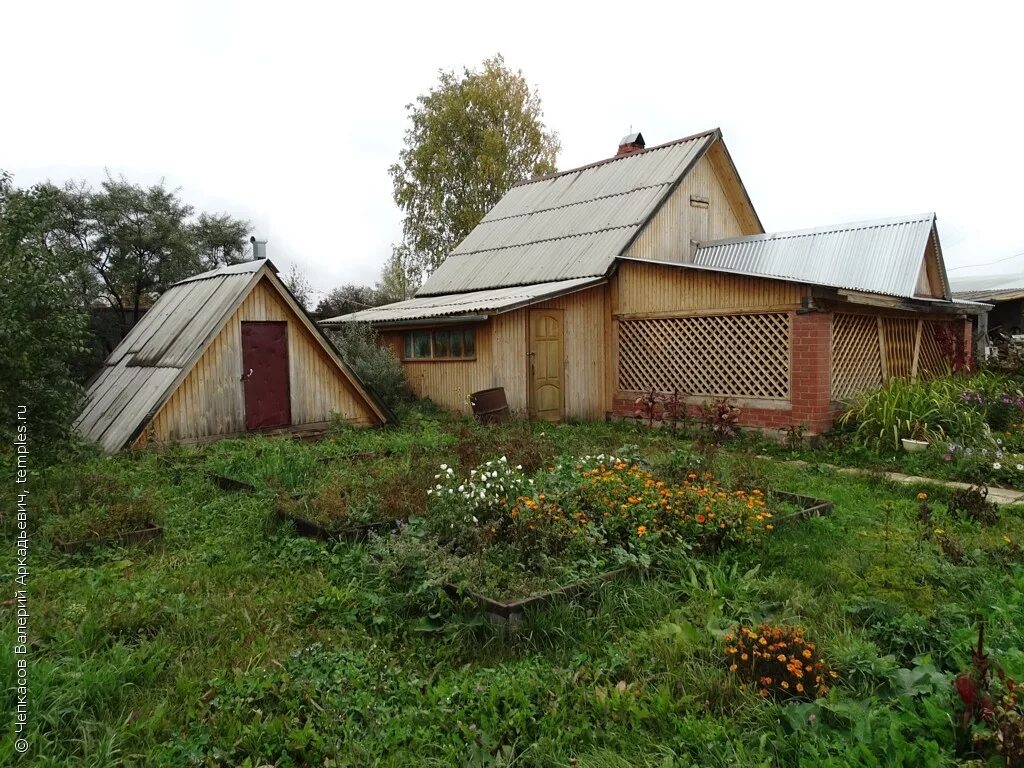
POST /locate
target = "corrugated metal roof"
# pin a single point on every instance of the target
(476, 302)
(883, 256)
(567, 225)
(994, 287)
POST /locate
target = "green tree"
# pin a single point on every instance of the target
(399, 278)
(133, 242)
(472, 137)
(43, 324)
(346, 299)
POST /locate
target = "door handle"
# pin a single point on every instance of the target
(245, 376)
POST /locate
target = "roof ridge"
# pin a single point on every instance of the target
(614, 158)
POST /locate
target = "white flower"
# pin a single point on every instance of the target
(437, 477)
(1020, 467)
(438, 486)
(462, 488)
(504, 459)
(997, 465)
(475, 520)
(519, 466)
(444, 466)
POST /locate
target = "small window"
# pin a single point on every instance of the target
(417, 345)
(446, 344)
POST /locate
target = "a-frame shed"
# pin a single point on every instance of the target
(220, 354)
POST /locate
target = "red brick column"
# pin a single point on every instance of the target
(811, 372)
(968, 334)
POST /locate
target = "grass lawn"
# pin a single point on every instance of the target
(232, 641)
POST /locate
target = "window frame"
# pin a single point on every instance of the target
(468, 332)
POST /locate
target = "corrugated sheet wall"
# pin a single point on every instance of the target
(644, 289)
(209, 401)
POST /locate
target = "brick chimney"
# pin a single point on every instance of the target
(634, 142)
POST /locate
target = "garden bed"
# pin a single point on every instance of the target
(313, 530)
(512, 610)
(148, 533)
(807, 506)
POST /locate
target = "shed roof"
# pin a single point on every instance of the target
(494, 301)
(567, 225)
(882, 256)
(145, 368)
(994, 288)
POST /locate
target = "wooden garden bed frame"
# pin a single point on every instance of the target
(150, 532)
(230, 484)
(311, 530)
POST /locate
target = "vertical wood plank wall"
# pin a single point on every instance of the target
(667, 237)
(209, 401)
(653, 289)
(501, 359)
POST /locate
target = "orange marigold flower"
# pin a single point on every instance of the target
(700, 519)
(800, 687)
(784, 684)
(641, 530)
(733, 667)
(807, 654)
(781, 657)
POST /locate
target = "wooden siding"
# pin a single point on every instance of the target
(673, 231)
(209, 400)
(501, 359)
(650, 290)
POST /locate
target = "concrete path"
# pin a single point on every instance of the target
(1000, 496)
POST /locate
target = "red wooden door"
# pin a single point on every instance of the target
(265, 374)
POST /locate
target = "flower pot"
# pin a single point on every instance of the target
(914, 446)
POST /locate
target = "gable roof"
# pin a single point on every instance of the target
(146, 367)
(883, 256)
(494, 301)
(568, 225)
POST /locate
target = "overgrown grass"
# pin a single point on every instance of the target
(234, 642)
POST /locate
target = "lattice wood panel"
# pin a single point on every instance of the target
(721, 355)
(900, 337)
(856, 355)
(933, 360)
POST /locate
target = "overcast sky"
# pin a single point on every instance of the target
(289, 113)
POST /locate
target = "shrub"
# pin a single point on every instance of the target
(778, 661)
(377, 366)
(720, 420)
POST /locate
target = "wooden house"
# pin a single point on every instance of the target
(582, 290)
(220, 354)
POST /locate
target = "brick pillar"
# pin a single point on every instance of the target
(811, 372)
(968, 334)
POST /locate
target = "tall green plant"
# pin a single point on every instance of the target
(933, 410)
